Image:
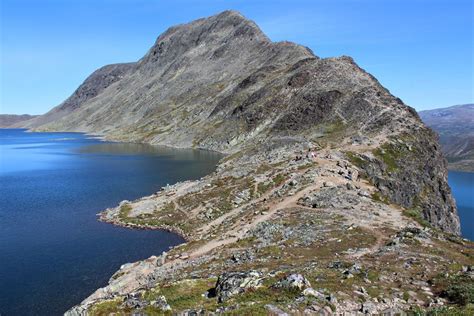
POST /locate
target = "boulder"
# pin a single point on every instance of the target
(294, 281)
(233, 283)
(161, 303)
(312, 292)
(135, 300)
(368, 308)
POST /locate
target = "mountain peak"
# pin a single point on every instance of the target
(228, 29)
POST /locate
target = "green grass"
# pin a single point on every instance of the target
(259, 297)
(307, 165)
(187, 294)
(264, 187)
(124, 211)
(376, 196)
(393, 154)
(388, 157)
(415, 213)
(461, 291)
(355, 159)
(278, 179)
(106, 308)
(448, 311)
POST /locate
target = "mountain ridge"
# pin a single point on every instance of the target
(9, 120)
(455, 126)
(323, 162)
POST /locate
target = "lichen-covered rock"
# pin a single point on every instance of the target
(233, 283)
(368, 308)
(312, 292)
(135, 301)
(161, 303)
(293, 281)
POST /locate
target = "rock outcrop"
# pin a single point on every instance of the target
(232, 283)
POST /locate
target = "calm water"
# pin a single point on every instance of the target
(53, 251)
(462, 185)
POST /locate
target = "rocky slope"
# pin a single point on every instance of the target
(455, 126)
(94, 85)
(328, 180)
(9, 120)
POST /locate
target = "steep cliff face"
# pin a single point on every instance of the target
(219, 83)
(411, 171)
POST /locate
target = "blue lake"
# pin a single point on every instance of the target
(462, 186)
(53, 251)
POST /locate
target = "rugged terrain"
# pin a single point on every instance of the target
(332, 196)
(8, 120)
(455, 126)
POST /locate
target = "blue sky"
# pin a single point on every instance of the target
(421, 50)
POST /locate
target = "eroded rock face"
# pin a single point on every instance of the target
(411, 170)
(233, 283)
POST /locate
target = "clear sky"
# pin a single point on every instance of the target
(421, 50)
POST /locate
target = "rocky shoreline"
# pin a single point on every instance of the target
(246, 246)
(103, 218)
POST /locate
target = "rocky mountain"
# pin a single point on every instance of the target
(96, 83)
(8, 120)
(455, 126)
(328, 179)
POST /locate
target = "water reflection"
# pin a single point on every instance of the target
(146, 149)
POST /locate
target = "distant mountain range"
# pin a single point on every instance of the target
(455, 126)
(7, 120)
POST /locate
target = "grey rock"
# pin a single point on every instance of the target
(194, 312)
(161, 303)
(233, 283)
(135, 300)
(312, 292)
(368, 308)
(293, 281)
(275, 311)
